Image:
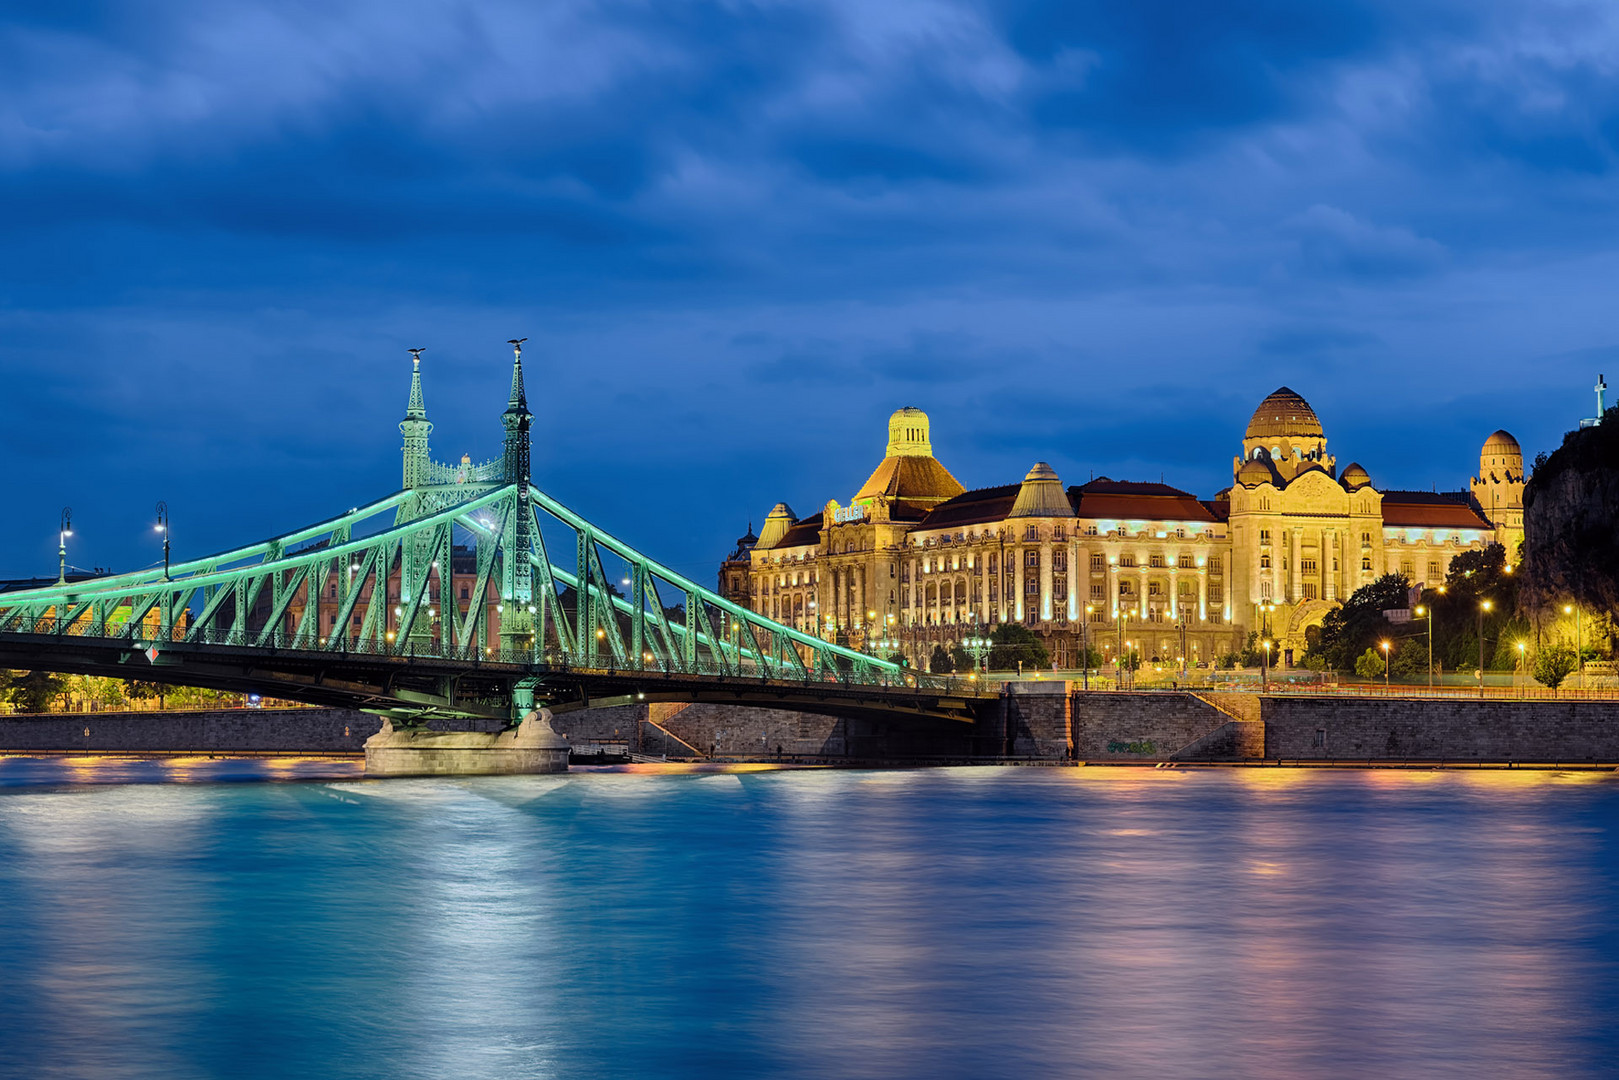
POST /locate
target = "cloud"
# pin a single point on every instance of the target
(1054, 225)
(1334, 242)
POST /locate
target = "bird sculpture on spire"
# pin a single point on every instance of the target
(517, 346)
(416, 356)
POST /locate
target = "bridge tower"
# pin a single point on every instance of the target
(517, 620)
(415, 428)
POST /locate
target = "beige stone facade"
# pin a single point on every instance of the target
(1144, 567)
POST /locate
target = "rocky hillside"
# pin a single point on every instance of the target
(1571, 523)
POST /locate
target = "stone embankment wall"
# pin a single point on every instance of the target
(1160, 726)
(709, 730)
(1446, 729)
(212, 731)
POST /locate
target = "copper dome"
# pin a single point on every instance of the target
(1284, 415)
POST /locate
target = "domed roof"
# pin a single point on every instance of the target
(777, 522)
(1502, 442)
(1284, 414)
(1255, 472)
(1355, 477)
(908, 469)
(1041, 495)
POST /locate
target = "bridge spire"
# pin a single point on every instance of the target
(516, 421)
(415, 428)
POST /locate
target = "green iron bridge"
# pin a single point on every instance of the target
(467, 596)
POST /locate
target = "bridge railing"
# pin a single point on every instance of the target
(147, 637)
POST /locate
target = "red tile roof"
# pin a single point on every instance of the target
(973, 508)
(1429, 510)
(1123, 500)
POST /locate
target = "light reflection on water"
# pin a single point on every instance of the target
(946, 923)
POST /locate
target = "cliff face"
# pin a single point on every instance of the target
(1571, 523)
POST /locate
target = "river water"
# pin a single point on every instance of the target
(291, 919)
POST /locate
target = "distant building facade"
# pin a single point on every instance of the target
(914, 559)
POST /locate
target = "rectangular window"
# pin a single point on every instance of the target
(1031, 533)
(1307, 566)
(1032, 587)
(1154, 589)
(1127, 560)
(1059, 533)
(1433, 569)
(1097, 562)
(1214, 564)
(1264, 536)
(1186, 563)
(1098, 592)
(1320, 740)
(1309, 591)
(1406, 568)
(1216, 595)
(1034, 558)
(993, 566)
(1155, 560)
(1059, 560)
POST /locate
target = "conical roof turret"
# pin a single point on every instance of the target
(1042, 495)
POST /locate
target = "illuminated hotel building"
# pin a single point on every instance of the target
(915, 557)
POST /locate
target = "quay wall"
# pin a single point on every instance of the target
(1443, 729)
(1047, 721)
(201, 731)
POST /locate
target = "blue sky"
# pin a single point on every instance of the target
(738, 235)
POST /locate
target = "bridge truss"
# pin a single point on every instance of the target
(505, 574)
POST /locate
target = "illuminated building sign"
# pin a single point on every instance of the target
(845, 514)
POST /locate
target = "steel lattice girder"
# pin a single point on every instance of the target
(245, 596)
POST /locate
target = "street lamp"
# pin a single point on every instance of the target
(1085, 643)
(1385, 667)
(1579, 651)
(61, 544)
(163, 527)
(1483, 606)
(1264, 668)
(1428, 611)
(1523, 685)
(978, 648)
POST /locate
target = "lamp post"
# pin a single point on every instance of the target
(163, 527)
(61, 545)
(1085, 643)
(1483, 606)
(1428, 611)
(1523, 683)
(1264, 668)
(1579, 651)
(977, 648)
(1385, 667)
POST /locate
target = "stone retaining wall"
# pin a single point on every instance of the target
(211, 731)
(1454, 729)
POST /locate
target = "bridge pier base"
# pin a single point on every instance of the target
(531, 747)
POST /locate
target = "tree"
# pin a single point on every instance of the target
(1553, 664)
(940, 663)
(36, 691)
(1011, 642)
(1347, 632)
(1369, 664)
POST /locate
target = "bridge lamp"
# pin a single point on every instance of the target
(1385, 665)
(500, 607)
(600, 633)
(531, 609)
(390, 635)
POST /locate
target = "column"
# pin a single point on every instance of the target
(1295, 538)
(1203, 592)
(1045, 579)
(1016, 554)
(1174, 588)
